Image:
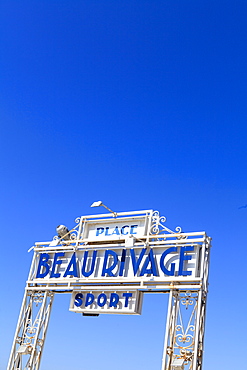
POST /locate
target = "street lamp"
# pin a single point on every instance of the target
(99, 203)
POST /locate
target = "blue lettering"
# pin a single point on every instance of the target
(78, 299)
(102, 303)
(162, 266)
(106, 231)
(132, 229)
(44, 257)
(114, 299)
(89, 299)
(127, 296)
(122, 263)
(55, 263)
(123, 232)
(99, 231)
(72, 263)
(116, 231)
(184, 258)
(109, 269)
(153, 268)
(136, 263)
(83, 270)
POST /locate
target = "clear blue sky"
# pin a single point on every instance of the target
(141, 104)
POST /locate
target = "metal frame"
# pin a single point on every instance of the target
(185, 330)
(184, 337)
(31, 330)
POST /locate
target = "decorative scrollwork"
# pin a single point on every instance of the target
(178, 229)
(185, 334)
(73, 236)
(77, 220)
(186, 355)
(187, 300)
(157, 226)
(28, 340)
(184, 339)
(73, 233)
(31, 330)
(38, 297)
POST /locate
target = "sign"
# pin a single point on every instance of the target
(115, 229)
(119, 263)
(107, 262)
(109, 255)
(98, 301)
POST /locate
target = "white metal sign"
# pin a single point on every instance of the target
(116, 264)
(114, 302)
(107, 262)
(102, 230)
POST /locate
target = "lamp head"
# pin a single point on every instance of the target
(97, 204)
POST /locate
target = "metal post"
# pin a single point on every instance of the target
(184, 330)
(167, 329)
(31, 330)
(170, 330)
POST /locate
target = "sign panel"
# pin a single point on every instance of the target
(118, 263)
(114, 229)
(107, 264)
(98, 301)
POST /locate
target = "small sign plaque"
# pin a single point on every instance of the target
(114, 302)
(115, 229)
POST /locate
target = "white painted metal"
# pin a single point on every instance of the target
(129, 301)
(31, 330)
(187, 302)
(185, 327)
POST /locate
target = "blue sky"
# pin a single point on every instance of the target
(141, 104)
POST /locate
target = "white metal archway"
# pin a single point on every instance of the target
(156, 259)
